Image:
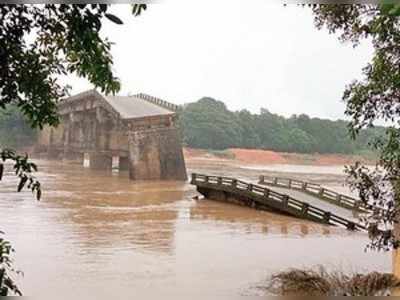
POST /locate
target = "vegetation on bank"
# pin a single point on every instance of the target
(321, 282)
(208, 124)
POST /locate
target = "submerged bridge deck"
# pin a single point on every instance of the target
(316, 201)
(314, 193)
(253, 195)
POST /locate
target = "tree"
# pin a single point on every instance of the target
(250, 137)
(208, 124)
(300, 141)
(375, 97)
(38, 43)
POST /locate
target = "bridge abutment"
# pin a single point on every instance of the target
(156, 154)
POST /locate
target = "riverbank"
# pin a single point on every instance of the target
(267, 157)
(247, 164)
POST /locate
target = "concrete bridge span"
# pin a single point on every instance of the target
(235, 191)
(137, 133)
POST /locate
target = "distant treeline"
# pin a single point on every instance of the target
(208, 124)
(14, 129)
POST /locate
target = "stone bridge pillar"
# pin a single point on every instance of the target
(156, 154)
(124, 164)
(86, 160)
(115, 164)
(97, 161)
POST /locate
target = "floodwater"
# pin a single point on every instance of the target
(98, 235)
(307, 169)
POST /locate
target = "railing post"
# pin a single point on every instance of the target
(327, 217)
(249, 187)
(234, 183)
(276, 181)
(261, 179)
(266, 193)
(304, 186)
(357, 204)
(290, 183)
(285, 201)
(206, 179)
(321, 191)
(219, 180)
(194, 175)
(304, 208)
(351, 226)
(339, 198)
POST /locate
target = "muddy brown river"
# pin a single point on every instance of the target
(95, 234)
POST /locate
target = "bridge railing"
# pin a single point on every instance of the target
(315, 190)
(285, 202)
(159, 102)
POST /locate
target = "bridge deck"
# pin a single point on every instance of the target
(316, 191)
(315, 201)
(266, 198)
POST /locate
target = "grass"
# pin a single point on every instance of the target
(320, 282)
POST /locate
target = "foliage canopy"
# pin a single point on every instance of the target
(375, 97)
(209, 124)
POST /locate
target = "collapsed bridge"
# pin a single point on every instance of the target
(137, 133)
(236, 191)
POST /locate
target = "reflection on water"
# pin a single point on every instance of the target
(238, 220)
(97, 234)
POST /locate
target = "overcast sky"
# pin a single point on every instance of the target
(249, 54)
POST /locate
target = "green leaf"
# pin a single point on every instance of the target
(386, 7)
(114, 19)
(137, 9)
(395, 11)
(22, 183)
(39, 194)
(103, 7)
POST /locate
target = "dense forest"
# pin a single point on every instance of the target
(208, 124)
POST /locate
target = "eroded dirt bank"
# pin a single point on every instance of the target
(250, 164)
(267, 157)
